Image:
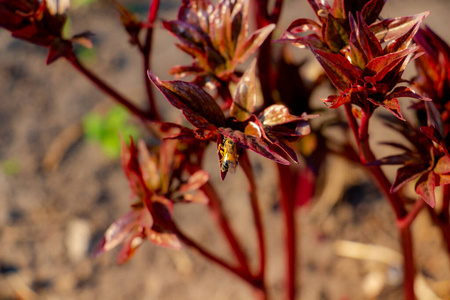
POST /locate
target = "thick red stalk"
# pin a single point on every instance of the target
(412, 214)
(225, 94)
(441, 219)
(263, 18)
(236, 270)
(107, 89)
(287, 204)
(445, 212)
(397, 205)
(146, 50)
(409, 269)
(246, 167)
(217, 211)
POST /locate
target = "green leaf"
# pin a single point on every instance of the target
(105, 130)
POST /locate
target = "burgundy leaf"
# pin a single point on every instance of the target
(253, 143)
(165, 239)
(372, 10)
(338, 69)
(434, 118)
(285, 148)
(404, 40)
(431, 133)
(367, 39)
(403, 91)
(393, 106)
(302, 25)
(442, 165)
(406, 174)
(245, 98)
(196, 12)
(129, 248)
(245, 48)
(335, 34)
(393, 160)
(195, 181)
(197, 105)
(386, 62)
(321, 8)
(187, 33)
(425, 188)
(390, 29)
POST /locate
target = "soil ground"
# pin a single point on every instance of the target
(51, 219)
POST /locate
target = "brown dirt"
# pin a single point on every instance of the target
(45, 216)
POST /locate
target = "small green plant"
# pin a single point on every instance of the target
(10, 166)
(105, 129)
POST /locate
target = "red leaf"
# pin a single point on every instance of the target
(165, 239)
(122, 228)
(253, 143)
(425, 188)
(245, 98)
(367, 39)
(321, 8)
(338, 69)
(434, 118)
(302, 25)
(195, 181)
(404, 40)
(393, 106)
(393, 160)
(403, 91)
(406, 174)
(386, 62)
(187, 33)
(129, 248)
(372, 10)
(442, 165)
(245, 48)
(335, 34)
(196, 12)
(198, 106)
(390, 29)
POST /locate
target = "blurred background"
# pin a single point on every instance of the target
(61, 185)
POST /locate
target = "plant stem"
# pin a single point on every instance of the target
(107, 89)
(409, 270)
(246, 166)
(445, 212)
(412, 214)
(217, 211)
(236, 270)
(146, 50)
(367, 155)
(224, 92)
(396, 203)
(263, 18)
(287, 204)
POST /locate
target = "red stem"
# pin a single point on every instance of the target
(217, 212)
(442, 219)
(367, 155)
(445, 212)
(411, 215)
(409, 270)
(146, 50)
(236, 270)
(263, 18)
(287, 204)
(396, 202)
(225, 94)
(352, 123)
(246, 167)
(107, 89)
